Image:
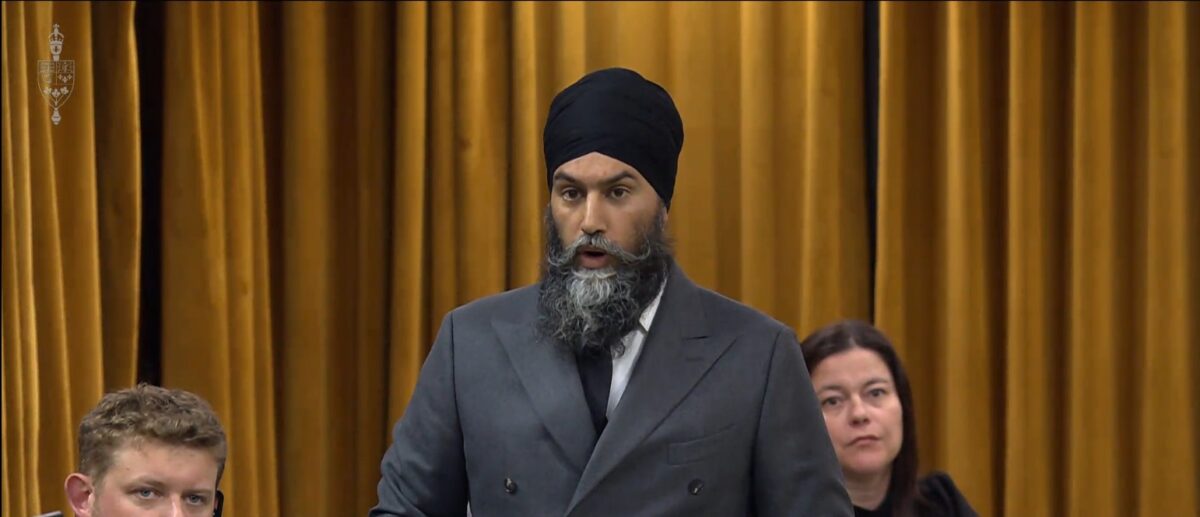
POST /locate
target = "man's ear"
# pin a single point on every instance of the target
(80, 494)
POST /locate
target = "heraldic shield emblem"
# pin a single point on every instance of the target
(56, 77)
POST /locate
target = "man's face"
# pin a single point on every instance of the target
(149, 479)
(597, 194)
(607, 254)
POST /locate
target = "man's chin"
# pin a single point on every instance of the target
(588, 273)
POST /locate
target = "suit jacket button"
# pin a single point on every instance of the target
(695, 486)
(510, 486)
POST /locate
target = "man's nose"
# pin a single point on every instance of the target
(178, 508)
(595, 219)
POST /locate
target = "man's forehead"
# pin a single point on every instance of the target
(597, 166)
(156, 460)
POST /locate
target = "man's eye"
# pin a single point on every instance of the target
(197, 500)
(570, 194)
(145, 493)
(831, 402)
(620, 192)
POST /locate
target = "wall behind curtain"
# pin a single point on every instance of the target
(1039, 248)
(391, 169)
(71, 226)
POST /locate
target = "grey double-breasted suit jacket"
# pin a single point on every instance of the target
(719, 418)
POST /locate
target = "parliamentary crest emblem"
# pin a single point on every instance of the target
(56, 76)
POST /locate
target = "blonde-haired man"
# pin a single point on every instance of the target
(148, 451)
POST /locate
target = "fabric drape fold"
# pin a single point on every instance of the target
(71, 226)
(336, 177)
(217, 334)
(1038, 248)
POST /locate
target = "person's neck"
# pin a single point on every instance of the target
(868, 491)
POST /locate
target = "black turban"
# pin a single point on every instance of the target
(620, 114)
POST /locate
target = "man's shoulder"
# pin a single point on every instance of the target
(514, 304)
(725, 313)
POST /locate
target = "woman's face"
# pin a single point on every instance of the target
(862, 410)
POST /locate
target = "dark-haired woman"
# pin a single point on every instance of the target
(867, 403)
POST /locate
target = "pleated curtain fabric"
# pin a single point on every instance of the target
(1039, 248)
(216, 281)
(71, 236)
(335, 177)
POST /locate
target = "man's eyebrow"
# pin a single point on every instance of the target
(148, 480)
(619, 177)
(200, 491)
(564, 176)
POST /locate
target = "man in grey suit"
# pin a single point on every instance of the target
(615, 386)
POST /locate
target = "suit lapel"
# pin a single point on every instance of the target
(551, 379)
(677, 353)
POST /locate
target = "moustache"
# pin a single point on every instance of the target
(600, 242)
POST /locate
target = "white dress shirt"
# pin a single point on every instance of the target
(622, 366)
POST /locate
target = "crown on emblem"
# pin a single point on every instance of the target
(56, 42)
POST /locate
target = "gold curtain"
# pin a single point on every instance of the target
(216, 281)
(71, 225)
(338, 176)
(1039, 248)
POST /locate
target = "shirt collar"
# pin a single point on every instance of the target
(648, 314)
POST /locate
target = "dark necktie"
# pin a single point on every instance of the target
(595, 373)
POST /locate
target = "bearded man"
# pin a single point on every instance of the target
(614, 386)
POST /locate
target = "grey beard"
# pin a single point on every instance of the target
(588, 311)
